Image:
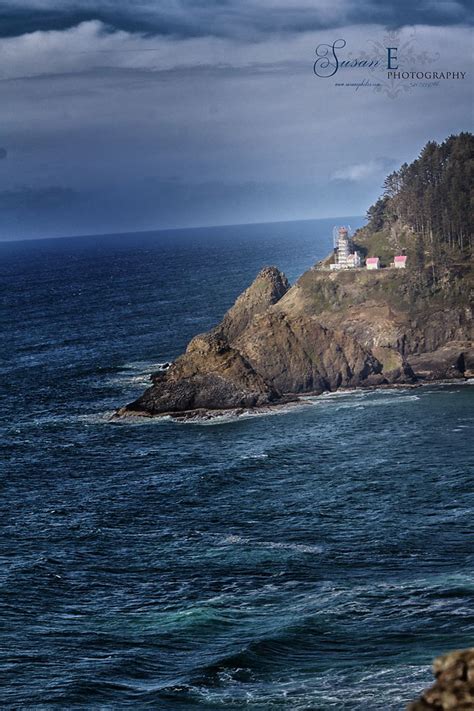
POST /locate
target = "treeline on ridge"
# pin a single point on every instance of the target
(432, 199)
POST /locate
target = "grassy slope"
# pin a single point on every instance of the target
(410, 291)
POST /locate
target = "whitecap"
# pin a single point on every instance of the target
(223, 417)
(297, 547)
(358, 401)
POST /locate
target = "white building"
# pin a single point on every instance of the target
(345, 257)
(372, 263)
(353, 260)
(400, 262)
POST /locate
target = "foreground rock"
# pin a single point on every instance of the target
(453, 689)
(330, 330)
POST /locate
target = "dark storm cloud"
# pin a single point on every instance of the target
(227, 18)
(247, 129)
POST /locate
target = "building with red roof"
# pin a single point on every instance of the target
(372, 263)
(400, 261)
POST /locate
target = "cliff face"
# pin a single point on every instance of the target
(412, 325)
(330, 330)
(268, 288)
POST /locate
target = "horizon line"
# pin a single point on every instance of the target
(178, 229)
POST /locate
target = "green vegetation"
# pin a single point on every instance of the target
(407, 290)
(426, 209)
(377, 244)
(344, 289)
(426, 213)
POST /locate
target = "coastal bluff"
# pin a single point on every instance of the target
(342, 325)
(329, 330)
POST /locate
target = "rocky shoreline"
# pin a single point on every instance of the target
(283, 405)
(329, 331)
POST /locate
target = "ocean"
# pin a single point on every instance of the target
(316, 558)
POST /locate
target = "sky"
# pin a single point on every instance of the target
(119, 116)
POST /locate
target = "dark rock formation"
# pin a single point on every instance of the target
(297, 354)
(268, 288)
(453, 689)
(449, 361)
(210, 375)
(330, 330)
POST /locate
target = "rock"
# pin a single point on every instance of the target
(449, 361)
(210, 375)
(453, 689)
(330, 330)
(268, 288)
(298, 355)
(469, 363)
(395, 367)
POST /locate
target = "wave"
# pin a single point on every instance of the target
(224, 417)
(355, 399)
(359, 400)
(135, 374)
(297, 547)
(341, 399)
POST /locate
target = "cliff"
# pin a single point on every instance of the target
(346, 329)
(453, 689)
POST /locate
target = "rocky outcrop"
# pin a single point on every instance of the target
(453, 360)
(453, 689)
(210, 375)
(298, 354)
(268, 288)
(330, 330)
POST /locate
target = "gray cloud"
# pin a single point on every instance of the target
(248, 19)
(247, 129)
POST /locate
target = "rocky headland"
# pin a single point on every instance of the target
(341, 329)
(330, 330)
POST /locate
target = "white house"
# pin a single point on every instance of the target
(372, 263)
(400, 262)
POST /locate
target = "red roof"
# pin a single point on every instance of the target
(372, 260)
(401, 258)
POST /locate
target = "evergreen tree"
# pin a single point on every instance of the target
(434, 197)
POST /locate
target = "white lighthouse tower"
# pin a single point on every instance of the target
(343, 247)
(345, 257)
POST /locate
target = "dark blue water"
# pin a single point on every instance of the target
(316, 559)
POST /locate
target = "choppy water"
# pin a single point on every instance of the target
(314, 559)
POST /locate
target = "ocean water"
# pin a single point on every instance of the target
(317, 558)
